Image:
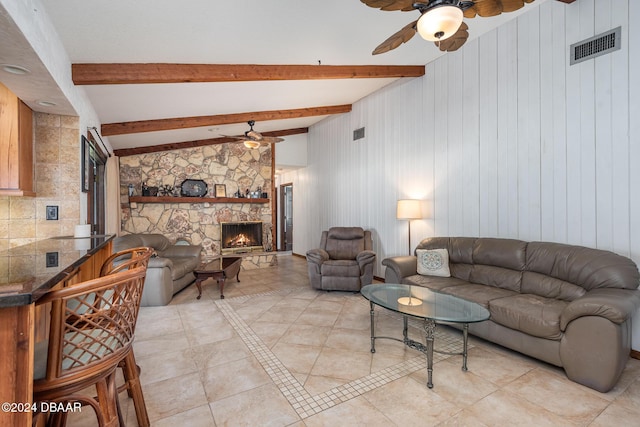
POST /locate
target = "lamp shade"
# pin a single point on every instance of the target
(440, 22)
(409, 209)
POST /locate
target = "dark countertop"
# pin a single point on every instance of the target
(28, 271)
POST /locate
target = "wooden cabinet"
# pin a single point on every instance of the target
(16, 364)
(89, 269)
(21, 327)
(16, 146)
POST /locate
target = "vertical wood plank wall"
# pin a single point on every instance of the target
(503, 136)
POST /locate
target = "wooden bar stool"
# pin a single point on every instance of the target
(117, 262)
(91, 330)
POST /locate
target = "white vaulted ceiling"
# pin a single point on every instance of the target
(293, 32)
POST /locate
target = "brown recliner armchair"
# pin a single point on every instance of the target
(344, 261)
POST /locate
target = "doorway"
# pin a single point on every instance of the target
(94, 161)
(286, 217)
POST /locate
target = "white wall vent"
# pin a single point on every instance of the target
(596, 46)
(358, 134)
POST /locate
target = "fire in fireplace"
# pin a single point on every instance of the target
(241, 236)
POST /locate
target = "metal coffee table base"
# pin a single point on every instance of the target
(429, 327)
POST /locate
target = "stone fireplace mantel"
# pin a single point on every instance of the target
(170, 199)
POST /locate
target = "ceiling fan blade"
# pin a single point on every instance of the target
(390, 5)
(254, 139)
(270, 140)
(486, 8)
(402, 36)
(255, 136)
(512, 5)
(456, 41)
(236, 137)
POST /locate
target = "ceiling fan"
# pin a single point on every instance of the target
(440, 21)
(253, 139)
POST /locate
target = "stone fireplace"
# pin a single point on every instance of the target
(239, 237)
(199, 219)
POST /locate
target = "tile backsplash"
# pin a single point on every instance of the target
(57, 182)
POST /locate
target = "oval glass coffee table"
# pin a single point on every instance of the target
(432, 307)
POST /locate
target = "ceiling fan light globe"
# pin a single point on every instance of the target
(439, 23)
(251, 144)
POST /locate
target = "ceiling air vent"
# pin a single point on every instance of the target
(358, 134)
(596, 46)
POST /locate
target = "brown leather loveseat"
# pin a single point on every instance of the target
(570, 306)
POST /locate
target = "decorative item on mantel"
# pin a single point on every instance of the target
(256, 194)
(166, 190)
(193, 188)
(149, 191)
(250, 194)
(220, 190)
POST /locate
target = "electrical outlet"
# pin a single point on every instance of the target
(52, 213)
(51, 259)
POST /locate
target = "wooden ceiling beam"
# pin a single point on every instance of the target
(109, 74)
(199, 143)
(124, 128)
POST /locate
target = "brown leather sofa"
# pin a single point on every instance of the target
(169, 271)
(344, 261)
(569, 306)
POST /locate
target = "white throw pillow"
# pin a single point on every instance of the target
(434, 262)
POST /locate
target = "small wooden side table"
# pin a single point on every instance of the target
(220, 268)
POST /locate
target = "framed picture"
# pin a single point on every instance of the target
(221, 190)
(86, 163)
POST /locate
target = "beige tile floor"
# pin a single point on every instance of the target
(277, 353)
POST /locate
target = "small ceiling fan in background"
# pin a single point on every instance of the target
(440, 21)
(253, 139)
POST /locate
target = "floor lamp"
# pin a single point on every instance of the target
(409, 209)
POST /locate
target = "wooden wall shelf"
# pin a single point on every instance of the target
(169, 199)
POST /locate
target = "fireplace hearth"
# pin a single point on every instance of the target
(239, 237)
